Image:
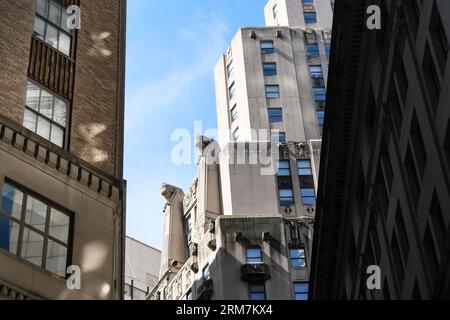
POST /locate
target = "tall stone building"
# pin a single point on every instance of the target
(61, 149)
(384, 197)
(244, 231)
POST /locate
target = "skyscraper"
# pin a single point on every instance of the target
(384, 197)
(243, 232)
(61, 149)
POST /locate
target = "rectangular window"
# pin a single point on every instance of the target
(34, 230)
(267, 47)
(272, 91)
(206, 274)
(279, 137)
(275, 11)
(45, 114)
(304, 168)
(253, 255)
(230, 68)
(234, 113)
(257, 291)
(270, 69)
(310, 17)
(312, 50)
(307, 1)
(301, 290)
(231, 91)
(286, 197)
(284, 169)
(320, 94)
(50, 25)
(308, 196)
(327, 49)
(188, 232)
(236, 134)
(321, 118)
(297, 257)
(275, 115)
(316, 71)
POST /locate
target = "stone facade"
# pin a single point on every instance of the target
(81, 179)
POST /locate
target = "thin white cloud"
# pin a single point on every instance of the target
(207, 36)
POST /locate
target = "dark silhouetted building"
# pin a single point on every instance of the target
(384, 186)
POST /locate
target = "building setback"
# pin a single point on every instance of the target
(61, 149)
(241, 232)
(384, 195)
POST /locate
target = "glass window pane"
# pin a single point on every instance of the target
(301, 296)
(59, 225)
(64, 20)
(54, 14)
(257, 296)
(64, 43)
(57, 136)
(12, 200)
(46, 106)
(286, 193)
(43, 128)
(36, 213)
(308, 193)
(32, 246)
(56, 258)
(60, 112)
(9, 235)
(33, 93)
(52, 36)
(39, 28)
(41, 7)
(29, 120)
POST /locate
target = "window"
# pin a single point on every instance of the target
(310, 17)
(316, 71)
(298, 257)
(279, 137)
(45, 115)
(275, 11)
(267, 47)
(327, 49)
(30, 228)
(320, 94)
(308, 196)
(253, 255)
(257, 291)
(301, 290)
(188, 232)
(236, 134)
(312, 50)
(230, 68)
(234, 113)
(321, 117)
(272, 91)
(285, 190)
(270, 69)
(206, 274)
(275, 115)
(286, 197)
(304, 168)
(232, 91)
(50, 25)
(284, 169)
(307, 1)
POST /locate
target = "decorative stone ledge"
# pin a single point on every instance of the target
(10, 292)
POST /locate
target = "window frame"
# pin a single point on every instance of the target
(310, 52)
(37, 114)
(272, 95)
(60, 29)
(252, 260)
(306, 197)
(27, 193)
(308, 16)
(257, 284)
(275, 118)
(271, 71)
(292, 258)
(301, 292)
(267, 50)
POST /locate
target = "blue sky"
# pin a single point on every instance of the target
(172, 47)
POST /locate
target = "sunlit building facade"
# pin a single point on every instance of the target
(61, 149)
